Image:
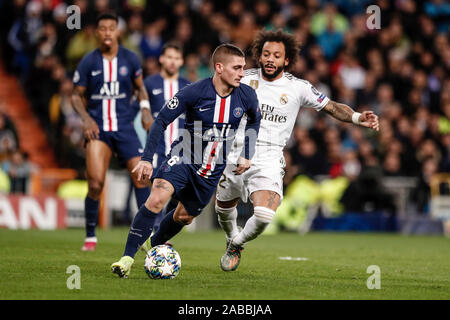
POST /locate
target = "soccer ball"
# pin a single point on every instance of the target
(162, 262)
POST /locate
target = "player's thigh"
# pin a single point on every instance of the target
(266, 198)
(181, 215)
(98, 156)
(230, 188)
(265, 186)
(160, 194)
(131, 164)
(128, 147)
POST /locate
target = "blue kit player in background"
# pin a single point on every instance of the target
(161, 87)
(104, 84)
(214, 108)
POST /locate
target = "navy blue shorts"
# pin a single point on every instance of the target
(193, 191)
(158, 160)
(124, 143)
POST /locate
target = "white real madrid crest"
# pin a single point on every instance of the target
(254, 84)
(283, 98)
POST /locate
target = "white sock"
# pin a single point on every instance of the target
(91, 239)
(256, 225)
(227, 220)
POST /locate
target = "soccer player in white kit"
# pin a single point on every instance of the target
(280, 95)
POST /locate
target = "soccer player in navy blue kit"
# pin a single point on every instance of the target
(104, 83)
(161, 87)
(214, 108)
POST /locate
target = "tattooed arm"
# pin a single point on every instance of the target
(344, 113)
(147, 118)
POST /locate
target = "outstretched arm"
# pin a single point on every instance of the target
(344, 113)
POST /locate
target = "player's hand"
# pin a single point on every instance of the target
(147, 119)
(90, 129)
(143, 170)
(243, 165)
(369, 120)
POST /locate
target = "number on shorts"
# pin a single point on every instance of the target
(173, 160)
(222, 180)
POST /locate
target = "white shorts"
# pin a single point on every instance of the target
(258, 177)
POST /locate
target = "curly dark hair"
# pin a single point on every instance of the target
(291, 44)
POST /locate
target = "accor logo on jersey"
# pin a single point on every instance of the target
(109, 90)
(214, 134)
(268, 114)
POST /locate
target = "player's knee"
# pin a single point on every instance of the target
(155, 202)
(226, 213)
(184, 220)
(95, 187)
(231, 204)
(263, 215)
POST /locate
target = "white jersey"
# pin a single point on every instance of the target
(280, 102)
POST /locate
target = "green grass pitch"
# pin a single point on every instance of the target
(34, 265)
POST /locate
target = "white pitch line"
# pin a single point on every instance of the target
(294, 258)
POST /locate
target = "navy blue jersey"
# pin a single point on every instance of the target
(210, 126)
(109, 86)
(160, 91)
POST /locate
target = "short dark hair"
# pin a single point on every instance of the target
(172, 45)
(106, 16)
(291, 45)
(226, 49)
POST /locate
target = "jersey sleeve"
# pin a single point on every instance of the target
(81, 74)
(169, 112)
(310, 97)
(136, 66)
(149, 87)
(253, 121)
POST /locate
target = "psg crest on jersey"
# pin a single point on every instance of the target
(237, 112)
(123, 71)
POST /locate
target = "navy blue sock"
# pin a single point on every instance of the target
(167, 229)
(141, 195)
(91, 214)
(140, 230)
(172, 204)
(159, 218)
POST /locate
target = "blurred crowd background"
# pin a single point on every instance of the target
(400, 71)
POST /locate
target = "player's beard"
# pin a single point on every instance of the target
(170, 72)
(273, 75)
